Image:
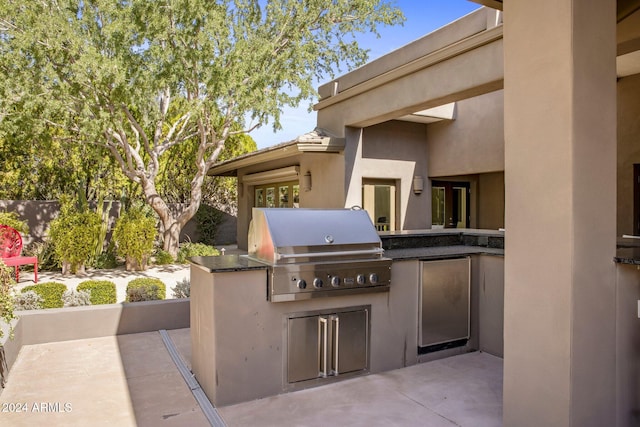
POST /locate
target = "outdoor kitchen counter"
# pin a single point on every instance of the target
(628, 250)
(628, 255)
(226, 263)
(441, 243)
(440, 252)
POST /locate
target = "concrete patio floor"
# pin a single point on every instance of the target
(131, 380)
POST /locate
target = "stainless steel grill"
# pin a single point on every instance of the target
(318, 252)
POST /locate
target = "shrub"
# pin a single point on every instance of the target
(182, 289)
(107, 259)
(134, 235)
(207, 220)
(102, 291)
(72, 298)
(6, 300)
(28, 301)
(195, 249)
(74, 234)
(146, 289)
(45, 253)
(11, 219)
(50, 292)
(163, 257)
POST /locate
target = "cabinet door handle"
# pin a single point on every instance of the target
(322, 345)
(336, 336)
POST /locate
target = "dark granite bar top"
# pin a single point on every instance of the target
(628, 251)
(441, 243)
(629, 255)
(440, 252)
(226, 263)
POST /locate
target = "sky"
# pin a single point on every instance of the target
(422, 17)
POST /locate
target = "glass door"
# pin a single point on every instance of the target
(379, 200)
(450, 204)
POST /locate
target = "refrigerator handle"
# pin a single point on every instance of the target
(336, 340)
(322, 345)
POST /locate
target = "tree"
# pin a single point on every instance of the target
(139, 77)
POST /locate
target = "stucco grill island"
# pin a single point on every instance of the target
(302, 302)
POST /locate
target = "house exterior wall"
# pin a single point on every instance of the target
(628, 148)
(393, 151)
(327, 185)
(473, 142)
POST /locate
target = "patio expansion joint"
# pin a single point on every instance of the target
(208, 409)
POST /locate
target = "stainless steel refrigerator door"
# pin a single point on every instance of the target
(445, 299)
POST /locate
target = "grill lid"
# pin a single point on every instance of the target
(280, 235)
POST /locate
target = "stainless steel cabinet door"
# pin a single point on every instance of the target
(326, 344)
(350, 335)
(303, 349)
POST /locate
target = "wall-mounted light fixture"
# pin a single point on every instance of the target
(418, 184)
(305, 181)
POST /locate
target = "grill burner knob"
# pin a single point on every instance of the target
(335, 281)
(302, 284)
(361, 279)
(373, 278)
(317, 282)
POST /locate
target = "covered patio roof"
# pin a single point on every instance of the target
(316, 141)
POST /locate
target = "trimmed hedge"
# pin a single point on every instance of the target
(102, 291)
(189, 249)
(146, 289)
(50, 292)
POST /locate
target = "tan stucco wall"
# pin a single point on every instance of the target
(560, 155)
(491, 200)
(473, 142)
(464, 27)
(327, 185)
(396, 151)
(477, 71)
(327, 180)
(628, 148)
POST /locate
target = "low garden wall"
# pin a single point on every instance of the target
(73, 323)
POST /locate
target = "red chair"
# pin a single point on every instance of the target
(10, 249)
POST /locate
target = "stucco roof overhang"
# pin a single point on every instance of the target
(316, 141)
(624, 8)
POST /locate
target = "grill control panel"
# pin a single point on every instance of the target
(312, 280)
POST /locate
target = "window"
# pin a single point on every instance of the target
(450, 204)
(379, 200)
(437, 207)
(277, 195)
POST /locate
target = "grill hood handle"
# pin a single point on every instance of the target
(376, 251)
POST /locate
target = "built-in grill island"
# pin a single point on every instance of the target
(315, 300)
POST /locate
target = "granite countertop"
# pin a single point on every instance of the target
(440, 252)
(628, 251)
(628, 255)
(441, 243)
(443, 232)
(226, 263)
